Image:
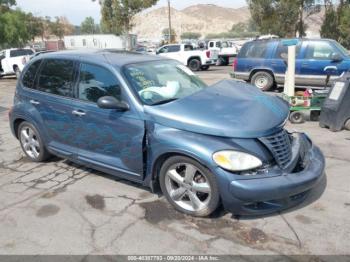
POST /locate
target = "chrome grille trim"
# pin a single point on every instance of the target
(280, 146)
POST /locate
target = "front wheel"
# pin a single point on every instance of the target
(17, 72)
(194, 64)
(189, 187)
(347, 125)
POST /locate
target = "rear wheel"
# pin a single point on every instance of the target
(194, 64)
(297, 117)
(17, 72)
(31, 142)
(262, 80)
(189, 187)
(347, 125)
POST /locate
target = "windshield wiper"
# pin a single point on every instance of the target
(164, 101)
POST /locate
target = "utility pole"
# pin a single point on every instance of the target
(169, 18)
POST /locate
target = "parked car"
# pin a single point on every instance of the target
(151, 120)
(40, 53)
(13, 60)
(195, 59)
(224, 50)
(261, 62)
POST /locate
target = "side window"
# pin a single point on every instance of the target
(319, 50)
(21, 52)
(211, 44)
(188, 48)
(256, 50)
(218, 44)
(96, 82)
(29, 76)
(56, 77)
(282, 49)
(163, 50)
(173, 48)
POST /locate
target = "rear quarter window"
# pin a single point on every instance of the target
(56, 77)
(255, 49)
(29, 76)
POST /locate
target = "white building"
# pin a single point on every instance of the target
(100, 41)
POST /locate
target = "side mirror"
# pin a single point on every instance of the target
(336, 57)
(110, 102)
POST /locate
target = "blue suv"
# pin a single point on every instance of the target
(150, 120)
(261, 62)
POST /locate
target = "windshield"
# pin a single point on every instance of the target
(159, 82)
(342, 48)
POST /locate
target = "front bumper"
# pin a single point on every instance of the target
(271, 193)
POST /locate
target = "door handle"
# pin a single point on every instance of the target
(78, 113)
(34, 102)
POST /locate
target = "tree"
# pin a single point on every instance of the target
(35, 26)
(88, 26)
(60, 27)
(56, 28)
(284, 18)
(336, 24)
(189, 35)
(329, 28)
(117, 15)
(14, 29)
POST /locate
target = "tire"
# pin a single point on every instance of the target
(262, 80)
(195, 193)
(31, 142)
(194, 64)
(17, 72)
(347, 125)
(296, 117)
(205, 68)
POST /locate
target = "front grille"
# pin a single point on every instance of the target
(280, 146)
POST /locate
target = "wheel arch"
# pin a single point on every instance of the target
(16, 124)
(193, 57)
(158, 162)
(255, 70)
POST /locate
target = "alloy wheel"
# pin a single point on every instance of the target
(188, 187)
(30, 142)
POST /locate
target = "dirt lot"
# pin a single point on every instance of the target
(61, 208)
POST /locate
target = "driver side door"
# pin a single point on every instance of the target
(107, 139)
(317, 56)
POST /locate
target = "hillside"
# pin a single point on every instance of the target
(202, 18)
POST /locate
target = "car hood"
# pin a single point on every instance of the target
(228, 108)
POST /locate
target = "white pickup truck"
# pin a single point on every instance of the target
(195, 59)
(12, 61)
(224, 50)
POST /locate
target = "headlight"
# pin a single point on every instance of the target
(236, 161)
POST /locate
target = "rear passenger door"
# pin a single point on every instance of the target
(279, 62)
(108, 139)
(51, 99)
(254, 55)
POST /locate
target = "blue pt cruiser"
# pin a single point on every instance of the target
(151, 120)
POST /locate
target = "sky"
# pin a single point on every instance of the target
(77, 10)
